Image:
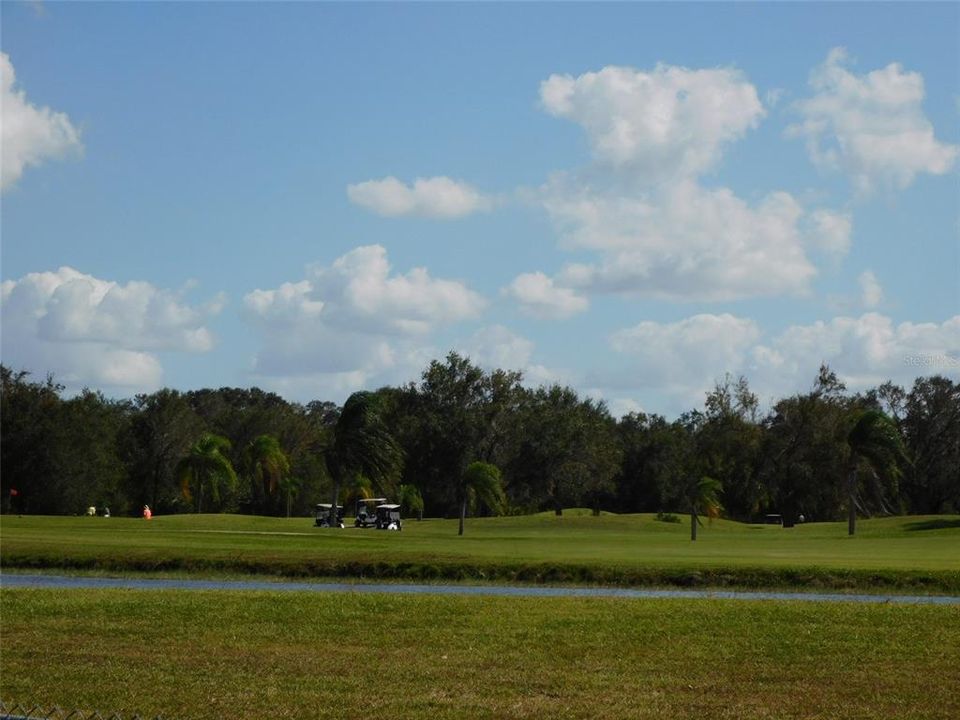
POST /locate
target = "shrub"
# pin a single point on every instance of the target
(668, 517)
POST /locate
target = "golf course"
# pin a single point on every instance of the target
(479, 360)
(921, 552)
(251, 654)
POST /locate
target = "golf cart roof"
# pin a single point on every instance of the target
(387, 507)
(372, 500)
(325, 506)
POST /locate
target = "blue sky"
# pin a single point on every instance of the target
(632, 199)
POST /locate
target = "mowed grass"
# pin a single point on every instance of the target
(631, 549)
(293, 655)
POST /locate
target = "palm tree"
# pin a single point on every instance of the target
(206, 467)
(482, 482)
(290, 485)
(411, 500)
(268, 463)
(361, 446)
(703, 499)
(873, 441)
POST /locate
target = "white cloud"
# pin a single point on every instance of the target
(353, 322)
(89, 331)
(830, 232)
(436, 197)
(656, 230)
(686, 356)
(684, 243)
(496, 347)
(29, 135)
(870, 126)
(623, 406)
(286, 304)
(540, 297)
(870, 291)
(678, 362)
(666, 123)
(335, 387)
(864, 351)
(358, 289)
(773, 97)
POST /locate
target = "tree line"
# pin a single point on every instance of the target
(464, 440)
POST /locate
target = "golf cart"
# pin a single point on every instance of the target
(322, 516)
(388, 517)
(366, 512)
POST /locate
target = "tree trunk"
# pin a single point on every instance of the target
(289, 501)
(852, 501)
(336, 501)
(693, 524)
(463, 514)
(199, 496)
(419, 514)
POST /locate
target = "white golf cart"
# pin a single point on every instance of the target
(322, 516)
(388, 517)
(367, 512)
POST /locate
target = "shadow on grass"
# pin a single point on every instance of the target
(933, 525)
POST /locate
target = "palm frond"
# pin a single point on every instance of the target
(411, 499)
(205, 465)
(707, 496)
(483, 481)
(875, 438)
(268, 461)
(362, 445)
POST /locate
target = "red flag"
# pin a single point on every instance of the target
(14, 492)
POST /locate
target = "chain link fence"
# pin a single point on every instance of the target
(19, 711)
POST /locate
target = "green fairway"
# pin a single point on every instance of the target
(910, 551)
(258, 654)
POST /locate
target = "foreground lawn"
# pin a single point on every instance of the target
(257, 654)
(914, 552)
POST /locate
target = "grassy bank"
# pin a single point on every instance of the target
(257, 654)
(912, 553)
